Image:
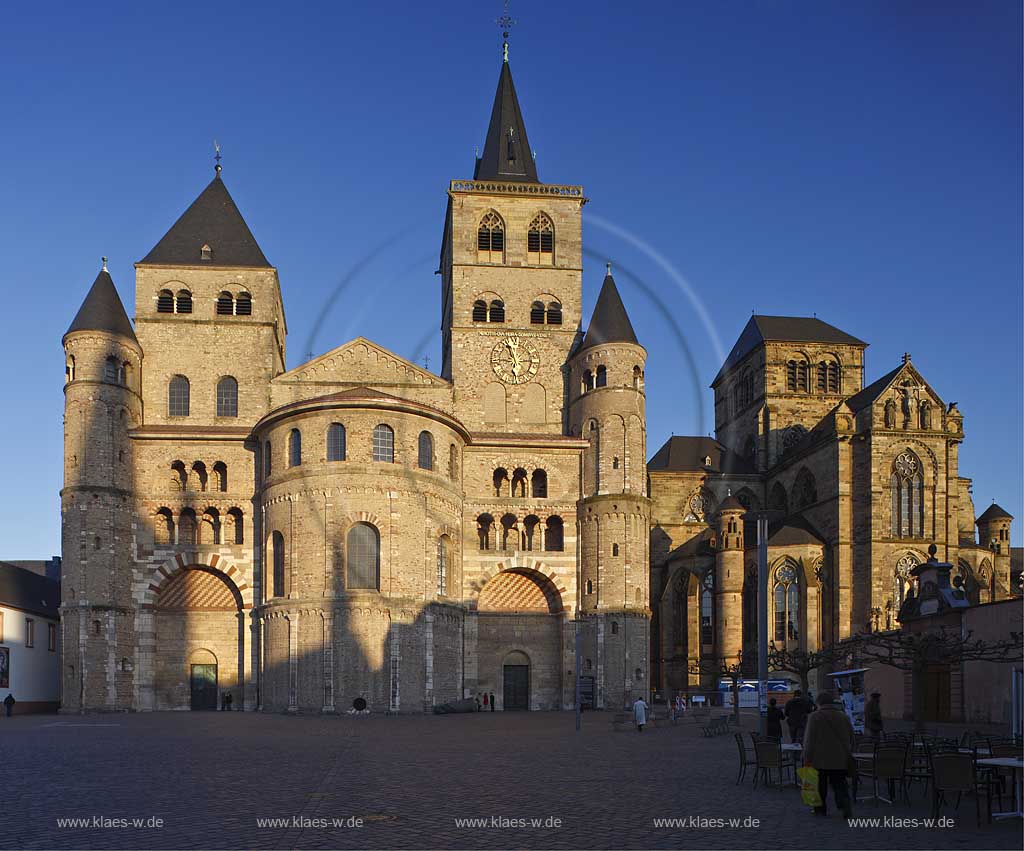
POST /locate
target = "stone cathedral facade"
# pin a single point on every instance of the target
(359, 528)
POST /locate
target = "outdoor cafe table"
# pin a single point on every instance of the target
(793, 748)
(1015, 763)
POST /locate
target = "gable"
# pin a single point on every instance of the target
(896, 401)
(361, 362)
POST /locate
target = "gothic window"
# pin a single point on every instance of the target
(183, 302)
(177, 397)
(903, 581)
(707, 608)
(225, 304)
(540, 242)
(187, 528)
(237, 524)
(777, 499)
(791, 437)
(425, 454)
(383, 443)
(537, 313)
(363, 551)
(485, 531)
(490, 239)
(786, 597)
(697, 507)
(165, 302)
(553, 535)
(442, 566)
(479, 310)
(163, 527)
(294, 448)
(496, 312)
(554, 313)
(602, 376)
(500, 481)
(277, 550)
(539, 484)
(906, 484)
(805, 489)
(227, 397)
(243, 305)
(336, 442)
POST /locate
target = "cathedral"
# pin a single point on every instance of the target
(361, 533)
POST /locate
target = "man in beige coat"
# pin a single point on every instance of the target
(828, 747)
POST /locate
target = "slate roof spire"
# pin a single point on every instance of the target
(507, 152)
(609, 322)
(102, 309)
(211, 231)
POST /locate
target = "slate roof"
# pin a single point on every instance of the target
(994, 512)
(29, 592)
(214, 220)
(793, 532)
(609, 322)
(686, 454)
(788, 329)
(102, 310)
(863, 398)
(506, 135)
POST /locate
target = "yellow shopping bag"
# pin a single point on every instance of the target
(809, 786)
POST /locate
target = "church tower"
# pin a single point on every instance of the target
(608, 409)
(103, 365)
(511, 269)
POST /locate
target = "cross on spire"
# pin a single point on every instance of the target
(506, 22)
(216, 155)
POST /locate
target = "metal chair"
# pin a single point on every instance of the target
(890, 766)
(768, 754)
(747, 757)
(953, 771)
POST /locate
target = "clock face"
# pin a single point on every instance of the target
(514, 360)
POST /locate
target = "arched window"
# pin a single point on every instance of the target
(453, 462)
(383, 443)
(638, 378)
(179, 477)
(805, 489)
(165, 302)
(615, 627)
(220, 476)
(588, 381)
(187, 528)
(500, 482)
(277, 549)
(294, 448)
(336, 442)
(490, 239)
(227, 397)
(519, 482)
(590, 586)
(69, 369)
(707, 608)
(268, 457)
(797, 371)
(777, 499)
(539, 484)
(199, 469)
(425, 454)
(237, 522)
(509, 532)
(177, 396)
(363, 550)
(496, 312)
(163, 527)
(110, 370)
(554, 313)
(183, 302)
(903, 580)
(602, 376)
(540, 241)
(243, 305)
(211, 527)
(530, 536)
(485, 531)
(442, 566)
(906, 484)
(537, 313)
(225, 304)
(554, 535)
(615, 550)
(479, 310)
(786, 597)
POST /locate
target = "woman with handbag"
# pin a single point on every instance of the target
(828, 748)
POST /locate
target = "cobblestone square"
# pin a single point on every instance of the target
(212, 777)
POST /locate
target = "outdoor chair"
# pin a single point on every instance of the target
(747, 757)
(769, 758)
(1002, 778)
(919, 766)
(888, 765)
(955, 772)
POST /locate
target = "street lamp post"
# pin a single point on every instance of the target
(579, 646)
(762, 620)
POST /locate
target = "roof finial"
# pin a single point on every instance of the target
(906, 357)
(608, 268)
(216, 155)
(105, 269)
(506, 23)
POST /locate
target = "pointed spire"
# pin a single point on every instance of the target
(507, 153)
(610, 322)
(213, 222)
(102, 309)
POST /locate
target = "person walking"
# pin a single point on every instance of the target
(796, 715)
(828, 748)
(492, 701)
(774, 718)
(873, 716)
(640, 714)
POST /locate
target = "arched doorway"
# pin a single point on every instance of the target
(516, 682)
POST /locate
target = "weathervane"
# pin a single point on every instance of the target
(506, 22)
(216, 155)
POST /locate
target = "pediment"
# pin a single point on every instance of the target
(363, 362)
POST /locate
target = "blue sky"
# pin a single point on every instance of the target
(857, 161)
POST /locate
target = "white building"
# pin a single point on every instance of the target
(29, 636)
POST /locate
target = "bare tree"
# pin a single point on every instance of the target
(721, 667)
(802, 662)
(916, 652)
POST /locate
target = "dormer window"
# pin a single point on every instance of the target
(206, 253)
(707, 460)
